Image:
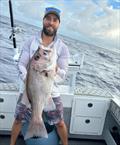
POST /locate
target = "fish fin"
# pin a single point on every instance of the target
(38, 130)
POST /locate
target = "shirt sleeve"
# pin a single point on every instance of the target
(62, 62)
(24, 59)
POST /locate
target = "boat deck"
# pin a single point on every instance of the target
(5, 140)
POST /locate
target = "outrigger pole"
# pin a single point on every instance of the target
(12, 24)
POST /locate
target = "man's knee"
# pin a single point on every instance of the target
(60, 124)
(17, 122)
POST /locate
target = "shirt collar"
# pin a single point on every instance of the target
(39, 39)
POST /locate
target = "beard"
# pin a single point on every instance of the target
(49, 32)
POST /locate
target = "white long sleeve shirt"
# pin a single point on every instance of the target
(30, 47)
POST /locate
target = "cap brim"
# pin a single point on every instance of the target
(52, 12)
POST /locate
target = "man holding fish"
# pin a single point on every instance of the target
(42, 64)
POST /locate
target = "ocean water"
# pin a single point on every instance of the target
(91, 21)
(87, 28)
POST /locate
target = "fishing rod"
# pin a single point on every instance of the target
(12, 24)
(16, 56)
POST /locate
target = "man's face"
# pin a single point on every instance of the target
(50, 25)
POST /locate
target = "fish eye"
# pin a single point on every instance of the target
(36, 57)
(45, 53)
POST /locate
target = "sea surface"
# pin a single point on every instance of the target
(92, 21)
(101, 67)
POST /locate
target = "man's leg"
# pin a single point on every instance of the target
(62, 132)
(16, 128)
(20, 112)
(56, 117)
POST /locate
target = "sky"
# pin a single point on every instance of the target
(93, 21)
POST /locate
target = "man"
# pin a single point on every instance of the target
(47, 37)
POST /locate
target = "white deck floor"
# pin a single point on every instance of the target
(5, 140)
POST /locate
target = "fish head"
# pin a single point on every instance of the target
(46, 53)
(43, 53)
(43, 59)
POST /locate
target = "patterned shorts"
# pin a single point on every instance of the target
(52, 117)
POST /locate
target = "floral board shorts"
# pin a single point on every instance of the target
(23, 113)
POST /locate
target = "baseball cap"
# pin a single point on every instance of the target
(52, 10)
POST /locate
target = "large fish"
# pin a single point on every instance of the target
(39, 84)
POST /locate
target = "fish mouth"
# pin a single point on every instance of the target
(46, 49)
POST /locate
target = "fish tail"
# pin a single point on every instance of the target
(36, 130)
